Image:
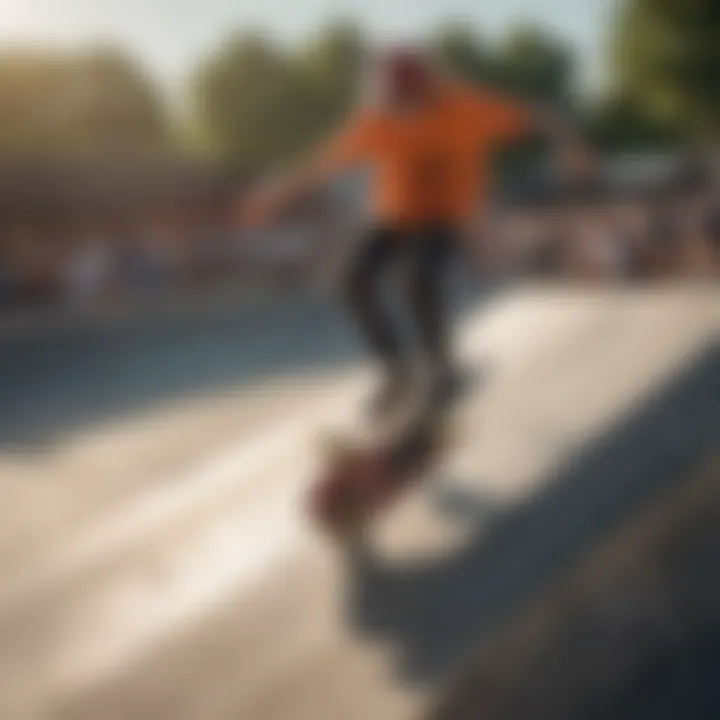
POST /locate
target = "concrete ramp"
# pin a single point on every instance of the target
(161, 565)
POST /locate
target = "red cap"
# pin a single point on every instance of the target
(406, 73)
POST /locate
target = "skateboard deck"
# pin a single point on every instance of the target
(360, 478)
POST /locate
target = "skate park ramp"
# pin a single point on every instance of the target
(156, 556)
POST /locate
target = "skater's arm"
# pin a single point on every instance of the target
(272, 197)
(351, 146)
(505, 119)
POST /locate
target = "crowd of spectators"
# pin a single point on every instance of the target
(672, 233)
(172, 250)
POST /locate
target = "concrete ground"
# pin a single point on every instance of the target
(155, 555)
(632, 632)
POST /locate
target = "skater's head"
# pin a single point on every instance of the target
(403, 77)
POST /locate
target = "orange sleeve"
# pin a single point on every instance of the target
(353, 144)
(501, 118)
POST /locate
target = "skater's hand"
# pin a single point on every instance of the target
(270, 200)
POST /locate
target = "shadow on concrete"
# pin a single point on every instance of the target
(51, 385)
(460, 504)
(62, 382)
(437, 614)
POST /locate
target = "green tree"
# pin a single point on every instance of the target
(95, 101)
(461, 50)
(666, 55)
(333, 61)
(252, 104)
(113, 103)
(536, 65)
(32, 84)
(619, 122)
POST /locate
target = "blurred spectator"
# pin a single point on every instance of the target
(9, 286)
(149, 260)
(187, 245)
(712, 228)
(89, 269)
(34, 263)
(597, 253)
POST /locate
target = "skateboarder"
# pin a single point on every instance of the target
(427, 139)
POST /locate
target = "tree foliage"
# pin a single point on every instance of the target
(98, 100)
(536, 65)
(622, 123)
(333, 62)
(250, 101)
(464, 53)
(256, 102)
(666, 55)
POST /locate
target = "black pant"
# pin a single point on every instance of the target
(424, 255)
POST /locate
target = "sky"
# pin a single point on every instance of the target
(169, 35)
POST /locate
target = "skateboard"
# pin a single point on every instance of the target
(360, 479)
